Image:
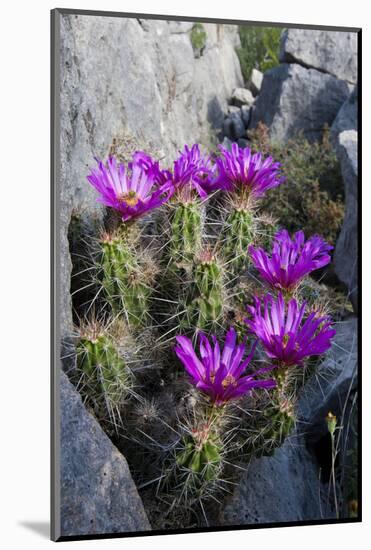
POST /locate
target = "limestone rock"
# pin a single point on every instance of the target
(234, 126)
(347, 117)
(332, 52)
(294, 99)
(344, 139)
(97, 492)
(330, 388)
(233, 109)
(242, 142)
(227, 144)
(242, 96)
(238, 129)
(255, 81)
(246, 115)
(346, 252)
(280, 488)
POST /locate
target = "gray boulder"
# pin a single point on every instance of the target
(332, 52)
(346, 251)
(242, 142)
(246, 115)
(227, 128)
(331, 387)
(233, 109)
(233, 126)
(347, 117)
(242, 96)
(97, 492)
(344, 139)
(238, 129)
(282, 488)
(255, 81)
(294, 99)
(227, 144)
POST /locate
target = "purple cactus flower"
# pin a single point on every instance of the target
(242, 169)
(285, 336)
(151, 167)
(220, 375)
(291, 259)
(131, 195)
(192, 172)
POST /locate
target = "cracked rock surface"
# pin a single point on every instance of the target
(98, 494)
(332, 52)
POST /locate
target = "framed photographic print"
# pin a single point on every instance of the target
(206, 279)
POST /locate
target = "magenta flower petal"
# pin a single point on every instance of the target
(229, 347)
(185, 350)
(151, 167)
(286, 338)
(220, 375)
(131, 194)
(241, 169)
(193, 171)
(291, 259)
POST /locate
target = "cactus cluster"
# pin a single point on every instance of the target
(185, 275)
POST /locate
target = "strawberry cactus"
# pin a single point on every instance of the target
(185, 261)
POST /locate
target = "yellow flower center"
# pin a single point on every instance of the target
(131, 198)
(229, 380)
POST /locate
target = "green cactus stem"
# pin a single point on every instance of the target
(238, 234)
(124, 280)
(280, 416)
(104, 377)
(185, 232)
(281, 424)
(201, 453)
(205, 298)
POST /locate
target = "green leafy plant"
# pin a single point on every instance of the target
(312, 197)
(198, 37)
(259, 48)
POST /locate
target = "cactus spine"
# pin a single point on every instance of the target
(202, 448)
(203, 459)
(104, 377)
(238, 234)
(205, 297)
(123, 278)
(185, 232)
(281, 415)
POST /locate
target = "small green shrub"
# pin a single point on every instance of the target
(259, 48)
(198, 37)
(312, 197)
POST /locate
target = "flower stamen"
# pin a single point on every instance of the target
(130, 198)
